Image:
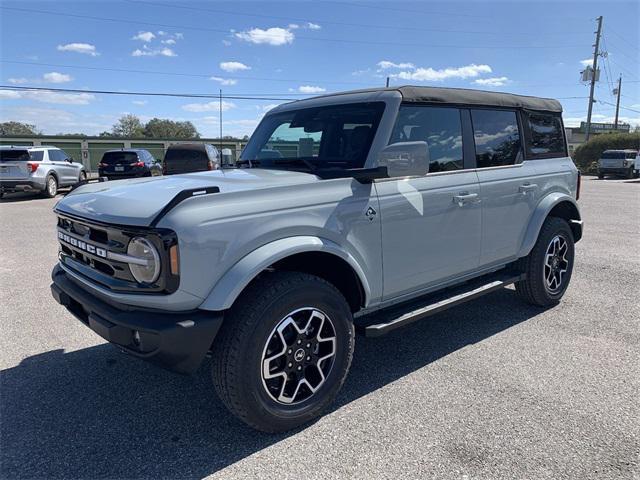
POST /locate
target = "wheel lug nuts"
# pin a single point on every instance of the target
(308, 345)
(290, 364)
(308, 358)
(299, 342)
(289, 351)
(299, 367)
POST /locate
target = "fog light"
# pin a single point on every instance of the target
(136, 338)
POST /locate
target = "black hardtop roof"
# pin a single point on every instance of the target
(465, 96)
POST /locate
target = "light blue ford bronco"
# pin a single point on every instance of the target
(369, 209)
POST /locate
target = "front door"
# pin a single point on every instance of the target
(431, 224)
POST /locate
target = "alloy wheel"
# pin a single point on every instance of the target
(556, 264)
(298, 356)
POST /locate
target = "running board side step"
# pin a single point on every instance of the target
(396, 317)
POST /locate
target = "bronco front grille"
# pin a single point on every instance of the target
(89, 249)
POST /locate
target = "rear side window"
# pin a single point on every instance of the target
(176, 155)
(112, 158)
(497, 137)
(546, 136)
(37, 156)
(14, 156)
(440, 127)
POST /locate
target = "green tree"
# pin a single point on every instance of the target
(128, 126)
(163, 128)
(18, 129)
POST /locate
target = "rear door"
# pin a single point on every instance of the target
(508, 186)
(119, 163)
(431, 224)
(13, 163)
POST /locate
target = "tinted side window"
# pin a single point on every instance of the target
(496, 136)
(440, 127)
(37, 156)
(54, 156)
(546, 136)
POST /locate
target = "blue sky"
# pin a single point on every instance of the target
(296, 49)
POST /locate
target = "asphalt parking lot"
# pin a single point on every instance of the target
(490, 389)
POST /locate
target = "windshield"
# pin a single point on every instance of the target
(613, 154)
(336, 136)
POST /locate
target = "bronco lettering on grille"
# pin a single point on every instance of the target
(81, 245)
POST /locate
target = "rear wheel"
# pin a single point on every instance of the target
(600, 175)
(630, 173)
(549, 265)
(283, 351)
(83, 177)
(51, 186)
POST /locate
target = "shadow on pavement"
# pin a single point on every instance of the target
(28, 196)
(98, 413)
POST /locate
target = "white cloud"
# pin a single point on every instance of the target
(169, 41)
(178, 36)
(313, 26)
(84, 48)
(48, 97)
(433, 75)
(587, 62)
(492, 82)
(272, 36)
(161, 32)
(224, 81)
(18, 81)
(386, 64)
(265, 108)
(56, 77)
(144, 36)
(311, 89)
(293, 26)
(234, 66)
(208, 107)
(226, 43)
(148, 52)
(140, 102)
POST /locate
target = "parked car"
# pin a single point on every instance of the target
(617, 162)
(128, 163)
(41, 169)
(190, 157)
(391, 205)
(636, 166)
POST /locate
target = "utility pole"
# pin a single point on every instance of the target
(596, 52)
(220, 112)
(387, 82)
(617, 91)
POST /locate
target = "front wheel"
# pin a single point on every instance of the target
(82, 177)
(549, 265)
(283, 351)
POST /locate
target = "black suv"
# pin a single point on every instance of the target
(128, 163)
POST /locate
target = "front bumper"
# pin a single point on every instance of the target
(177, 341)
(21, 185)
(615, 170)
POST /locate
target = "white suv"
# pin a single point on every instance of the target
(37, 169)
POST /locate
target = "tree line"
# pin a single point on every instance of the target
(126, 126)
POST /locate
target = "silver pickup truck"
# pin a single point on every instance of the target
(370, 209)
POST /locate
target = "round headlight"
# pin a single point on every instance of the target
(149, 268)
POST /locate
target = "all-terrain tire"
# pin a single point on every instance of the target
(539, 264)
(241, 347)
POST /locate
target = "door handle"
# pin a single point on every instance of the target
(464, 197)
(527, 187)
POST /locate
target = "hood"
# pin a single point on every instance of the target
(138, 201)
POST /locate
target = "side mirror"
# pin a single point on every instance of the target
(70, 160)
(405, 159)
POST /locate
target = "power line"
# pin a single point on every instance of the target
(623, 107)
(152, 94)
(302, 37)
(183, 74)
(331, 22)
(393, 9)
